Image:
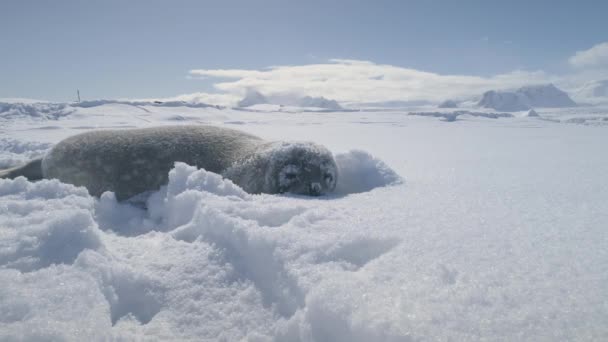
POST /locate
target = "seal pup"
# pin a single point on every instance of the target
(132, 161)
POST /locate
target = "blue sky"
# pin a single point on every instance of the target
(142, 49)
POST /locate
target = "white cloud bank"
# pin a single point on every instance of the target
(363, 81)
(357, 81)
(597, 56)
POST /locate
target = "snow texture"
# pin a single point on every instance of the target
(16, 152)
(52, 111)
(359, 172)
(479, 230)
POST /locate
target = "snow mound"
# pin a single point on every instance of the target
(44, 111)
(59, 280)
(359, 172)
(16, 152)
(31, 238)
(526, 97)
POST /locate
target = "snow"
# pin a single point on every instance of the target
(319, 102)
(448, 104)
(524, 98)
(504, 100)
(254, 97)
(546, 95)
(16, 152)
(485, 228)
(41, 110)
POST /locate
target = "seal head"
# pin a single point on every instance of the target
(302, 168)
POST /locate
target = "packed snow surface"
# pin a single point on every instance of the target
(483, 228)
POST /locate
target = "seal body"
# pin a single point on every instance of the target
(133, 161)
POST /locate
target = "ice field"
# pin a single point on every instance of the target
(444, 227)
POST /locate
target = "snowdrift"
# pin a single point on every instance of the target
(49, 111)
(74, 267)
(55, 111)
(16, 152)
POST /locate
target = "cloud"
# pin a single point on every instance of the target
(596, 56)
(348, 80)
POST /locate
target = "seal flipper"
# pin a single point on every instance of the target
(32, 170)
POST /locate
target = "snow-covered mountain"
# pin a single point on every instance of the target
(254, 97)
(319, 102)
(504, 101)
(524, 98)
(546, 95)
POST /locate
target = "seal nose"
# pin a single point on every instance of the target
(315, 189)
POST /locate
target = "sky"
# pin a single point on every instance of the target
(381, 50)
